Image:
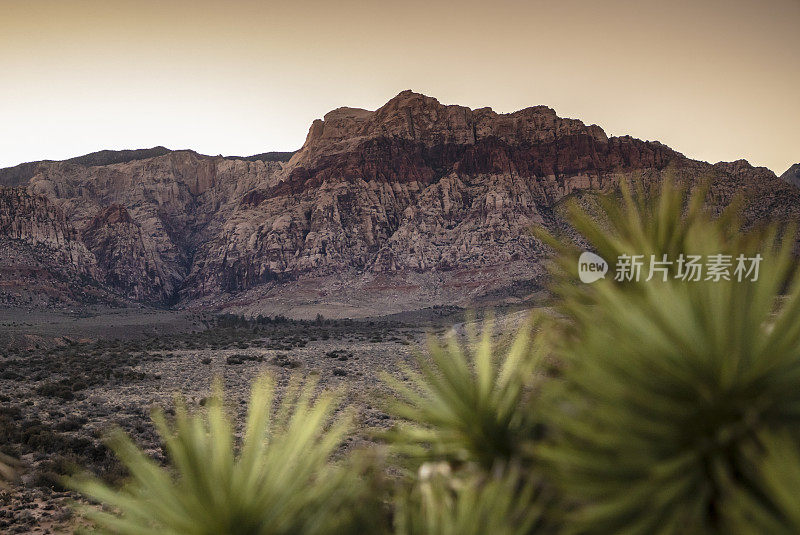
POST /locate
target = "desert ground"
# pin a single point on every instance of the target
(68, 378)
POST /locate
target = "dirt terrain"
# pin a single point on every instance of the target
(66, 379)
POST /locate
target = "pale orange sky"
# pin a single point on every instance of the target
(716, 80)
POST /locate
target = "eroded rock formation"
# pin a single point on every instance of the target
(416, 202)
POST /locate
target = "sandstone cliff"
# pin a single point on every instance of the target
(42, 257)
(414, 204)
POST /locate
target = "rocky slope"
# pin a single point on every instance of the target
(143, 219)
(792, 175)
(42, 257)
(411, 205)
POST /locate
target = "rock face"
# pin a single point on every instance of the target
(413, 186)
(122, 252)
(792, 175)
(143, 219)
(42, 256)
(411, 205)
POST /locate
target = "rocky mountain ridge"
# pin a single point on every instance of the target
(411, 205)
(792, 175)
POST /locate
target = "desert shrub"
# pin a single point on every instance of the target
(60, 389)
(20, 436)
(285, 361)
(441, 502)
(668, 385)
(71, 423)
(281, 479)
(234, 360)
(242, 358)
(48, 479)
(466, 403)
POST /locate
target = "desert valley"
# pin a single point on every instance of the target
(129, 276)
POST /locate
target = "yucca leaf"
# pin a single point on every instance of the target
(282, 480)
(666, 385)
(466, 403)
(444, 503)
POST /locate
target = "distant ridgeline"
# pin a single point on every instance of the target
(413, 205)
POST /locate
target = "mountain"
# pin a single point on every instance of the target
(792, 175)
(408, 206)
(42, 258)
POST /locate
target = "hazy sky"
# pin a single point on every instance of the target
(716, 80)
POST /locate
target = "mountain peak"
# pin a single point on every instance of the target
(792, 175)
(418, 118)
(414, 204)
(411, 98)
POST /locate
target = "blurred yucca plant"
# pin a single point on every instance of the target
(475, 503)
(667, 385)
(7, 469)
(772, 506)
(467, 403)
(643, 218)
(281, 481)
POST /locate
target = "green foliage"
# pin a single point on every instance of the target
(654, 219)
(468, 412)
(281, 481)
(443, 503)
(772, 506)
(667, 385)
(465, 404)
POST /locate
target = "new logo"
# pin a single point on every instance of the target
(591, 267)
